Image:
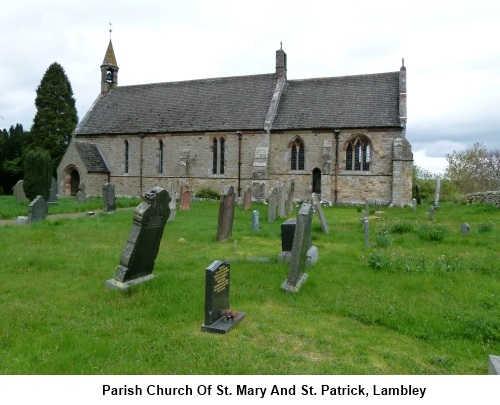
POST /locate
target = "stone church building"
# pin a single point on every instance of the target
(340, 137)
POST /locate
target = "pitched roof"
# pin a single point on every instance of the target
(231, 103)
(340, 102)
(92, 157)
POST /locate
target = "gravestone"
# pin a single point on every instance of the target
(185, 201)
(19, 192)
(219, 318)
(321, 215)
(255, 220)
(289, 199)
(436, 195)
(465, 228)
(226, 214)
(109, 197)
(302, 246)
(493, 365)
(247, 198)
(367, 232)
(52, 200)
(37, 210)
(81, 197)
(143, 243)
(271, 208)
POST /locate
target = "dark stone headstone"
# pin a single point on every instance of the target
(53, 192)
(37, 210)
(219, 317)
(143, 243)
(226, 214)
(185, 200)
(321, 215)
(255, 220)
(109, 197)
(302, 244)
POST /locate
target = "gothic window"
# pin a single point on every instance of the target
(297, 154)
(218, 155)
(358, 154)
(126, 156)
(160, 157)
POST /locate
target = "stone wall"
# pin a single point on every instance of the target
(487, 197)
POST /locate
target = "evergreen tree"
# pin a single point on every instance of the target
(37, 173)
(56, 117)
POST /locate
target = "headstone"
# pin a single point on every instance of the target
(226, 214)
(367, 232)
(281, 200)
(109, 197)
(321, 215)
(53, 192)
(255, 220)
(289, 199)
(219, 318)
(494, 365)
(271, 207)
(414, 205)
(37, 210)
(81, 197)
(302, 243)
(436, 195)
(19, 192)
(143, 243)
(247, 198)
(185, 203)
(465, 228)
(431, 213)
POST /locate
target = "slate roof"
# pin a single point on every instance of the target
(340, 102)
(242, 102)
(92, 157)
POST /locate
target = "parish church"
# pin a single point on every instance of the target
(343, 138)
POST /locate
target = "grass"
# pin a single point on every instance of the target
(417, 305)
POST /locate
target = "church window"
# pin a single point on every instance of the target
(126, 156)
(297, 155)
(218, 155)
(160, 157)
(358, 154)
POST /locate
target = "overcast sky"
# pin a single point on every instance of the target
(451, 50)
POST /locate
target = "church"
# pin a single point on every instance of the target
(343, 138)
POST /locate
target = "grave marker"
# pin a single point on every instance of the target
(219, 318)
(37, 209)
(143, 243)
(226, 214)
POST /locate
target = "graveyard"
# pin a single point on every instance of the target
(391, 291)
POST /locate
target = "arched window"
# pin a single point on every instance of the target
(160, 157)
(358, 154)
(218, 155)
(297, 155)
(126, 156)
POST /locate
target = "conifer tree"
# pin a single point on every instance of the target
(56, 117)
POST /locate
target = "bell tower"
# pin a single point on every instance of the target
(109, 70)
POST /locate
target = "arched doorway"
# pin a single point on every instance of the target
(316, 181)
(71, 181)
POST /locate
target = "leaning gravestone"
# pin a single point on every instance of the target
(109, 197)
(321, 215)
(143, 243)
(37, 210)
(302, 243)
(53, 192)
(226, 214)
(219, 318)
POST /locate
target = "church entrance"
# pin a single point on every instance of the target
(316, 181)
(71, 181)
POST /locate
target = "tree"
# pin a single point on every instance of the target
(11, 146)
(474, 169)
(37, 173)
(56, 117)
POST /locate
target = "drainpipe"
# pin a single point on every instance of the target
(141, 136)
(336, 190)
(239, 163)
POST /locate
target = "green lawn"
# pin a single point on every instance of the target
(423, 299)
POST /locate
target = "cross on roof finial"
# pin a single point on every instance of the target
(110, 30)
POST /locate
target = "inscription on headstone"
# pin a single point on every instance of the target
(321, 215)
(109, 197)
(37, 210)
(143, 243)
(226, 214)
(219, 317)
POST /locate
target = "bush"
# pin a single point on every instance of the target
(207, 194)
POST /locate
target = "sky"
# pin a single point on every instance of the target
(451, 52)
